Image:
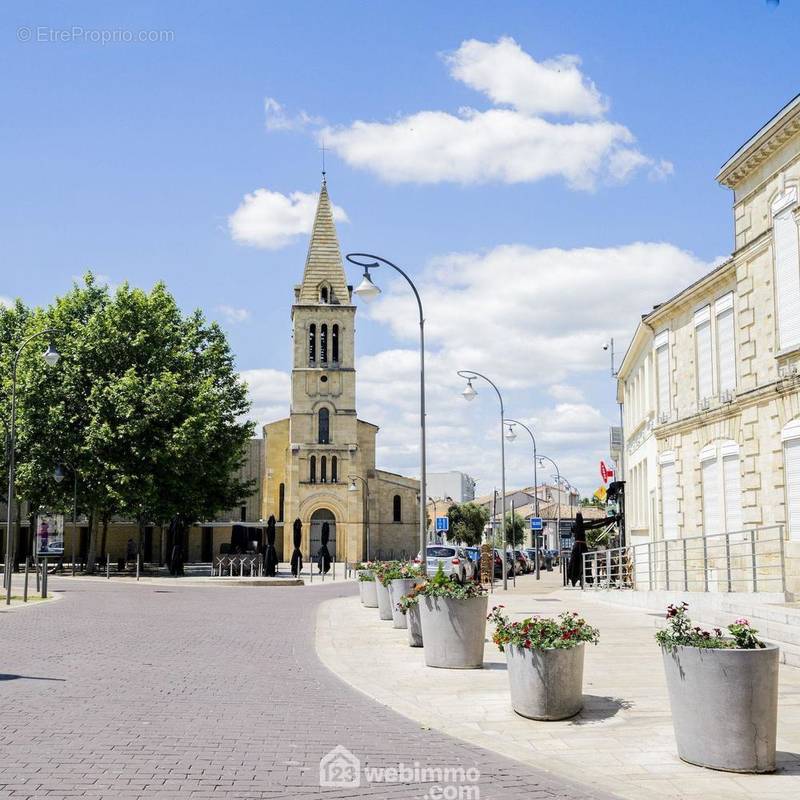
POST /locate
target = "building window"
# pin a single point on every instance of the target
(397, 509)
(726, 344)
(662, 373)
(323, 344)
(281, 501)
(323, 295)
(703, 354)
(722, 488)
(335, 344)
(791, 470)
(669, 496)
(324, 432)
(787, 269)
(312, 474)
(334, 469)
(323, 470)
(243, 513)
(312, 343)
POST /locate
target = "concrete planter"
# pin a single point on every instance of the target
(384, 601)
(453, 631)
(397, 588)
(414, 627)
(724, 706)
(369, 596)
(546, 684)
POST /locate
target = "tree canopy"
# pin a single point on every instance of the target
(514, 530)
(145, 405)
(467, 521)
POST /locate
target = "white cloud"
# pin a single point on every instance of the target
(6, 302)
(507, 74)
(511, 142)
(234, 315)
(269, 394)
(276, 118)
(565, 392)
(271, 220)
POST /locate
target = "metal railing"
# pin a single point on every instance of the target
(751, 560)
(237, 566)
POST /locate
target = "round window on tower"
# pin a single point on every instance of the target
(324, 378)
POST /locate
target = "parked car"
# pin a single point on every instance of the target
(531, 553)
(523, 564)
(511, 564)
(454, 560)
(474, 555)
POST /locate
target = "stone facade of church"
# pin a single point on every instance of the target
(314, 456)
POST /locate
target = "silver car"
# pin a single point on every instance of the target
(454, 560)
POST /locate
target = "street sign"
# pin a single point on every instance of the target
(50, 535)
(442, 524)
(536, 524)
(605, 472)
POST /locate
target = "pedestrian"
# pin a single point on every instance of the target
(578, 549)
(176, 562)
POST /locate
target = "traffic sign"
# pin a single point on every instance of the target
(605, 472)
(536, 523)
(442, 523)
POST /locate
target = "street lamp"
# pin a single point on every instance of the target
(50, 356)
(470, 394)
(511, 436)
(558, 498)
(353, 488)
(368, 290)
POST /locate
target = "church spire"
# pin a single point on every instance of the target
(324, 266)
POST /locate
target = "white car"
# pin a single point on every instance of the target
(454, 560)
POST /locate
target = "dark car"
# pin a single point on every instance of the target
(511, 566)
(474, 555)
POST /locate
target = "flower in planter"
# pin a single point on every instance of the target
(388, 571)
(541, 633)
(440, 585)
(681, 633)
(409, 599)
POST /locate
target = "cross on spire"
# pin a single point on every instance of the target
(323, 149)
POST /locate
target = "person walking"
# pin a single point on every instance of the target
(579, 528)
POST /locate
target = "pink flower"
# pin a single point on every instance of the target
(742, 621)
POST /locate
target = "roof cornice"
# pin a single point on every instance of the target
(784, 125)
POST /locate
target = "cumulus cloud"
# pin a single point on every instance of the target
(269, 394)
(232, 314)
(276, 118)
(271, 220)
(510, 142)
(565, 392)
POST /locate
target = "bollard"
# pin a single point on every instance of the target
(137, 566)
(38, 577)
(334, 569)
(25, 591)
(108, 566)
(322, 569)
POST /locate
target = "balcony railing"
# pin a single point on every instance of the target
(751, 560)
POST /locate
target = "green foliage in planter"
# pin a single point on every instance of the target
(542, 633)
(440, 585)
(388, 571)
(681, 633)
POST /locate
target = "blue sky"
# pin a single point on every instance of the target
(130, 158)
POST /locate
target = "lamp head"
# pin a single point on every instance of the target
(367, 289)
(352, 487)
(510, 434)
(51, 355)
(469, 393)
(58, 473)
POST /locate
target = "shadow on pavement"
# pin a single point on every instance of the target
(7, 677)
(597, 708)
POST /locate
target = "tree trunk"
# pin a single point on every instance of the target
(104, 547)
(91, 550)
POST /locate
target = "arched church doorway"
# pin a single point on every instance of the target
(318, 518)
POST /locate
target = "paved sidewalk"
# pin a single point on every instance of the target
(174, 691)
(623, 739)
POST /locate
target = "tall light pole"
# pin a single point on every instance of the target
(621, 465)
(511, 435)
(50, 356)
(58, 476)
(470, 394)
(558, 498)
(353, 488)
(368, 290)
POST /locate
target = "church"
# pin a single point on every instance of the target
(319, 462)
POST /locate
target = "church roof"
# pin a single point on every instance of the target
(324, 259)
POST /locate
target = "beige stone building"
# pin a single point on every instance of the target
(313, 457)
(711, 381)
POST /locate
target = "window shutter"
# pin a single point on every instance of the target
(669, 501)
(733, 493)
(704, 382)
(787, 278)
(711, 497)
(662, 368)
(791, 457)
(726, 350)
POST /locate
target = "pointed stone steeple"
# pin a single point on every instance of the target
(324, 266)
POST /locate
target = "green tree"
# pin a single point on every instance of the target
(467, 521)
(514, 530)
(145, 404)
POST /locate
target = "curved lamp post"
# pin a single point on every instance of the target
(353, 488)
(369, 291)
(558, 498)
(470, 394)
(511, 435)
(50, 356)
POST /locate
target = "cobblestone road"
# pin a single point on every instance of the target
(125, 691)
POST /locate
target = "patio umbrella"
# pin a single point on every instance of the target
(297, 556)
(271, 561)
(324, 555)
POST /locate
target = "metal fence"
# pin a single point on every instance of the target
(750, 560)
